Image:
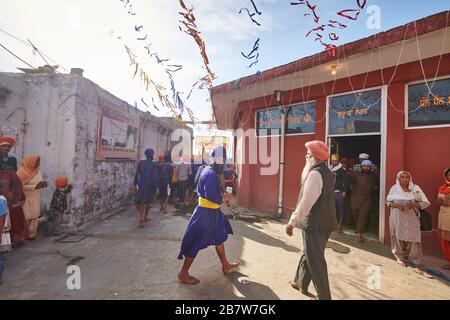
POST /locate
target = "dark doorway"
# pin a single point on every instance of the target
(350, 148)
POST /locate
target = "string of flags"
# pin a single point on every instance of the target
(253, 54)
(351, 14)
(251, 15)
(191, 29)
(177, 107)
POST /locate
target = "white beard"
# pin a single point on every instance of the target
(310, 163)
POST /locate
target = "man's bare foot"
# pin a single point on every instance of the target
(360, 237)
(187, 279)
(141, 223)
(420, 267)
(305, 292)
(231, 267)
(294, 285)
(401, 262)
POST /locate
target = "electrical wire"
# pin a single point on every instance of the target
(12, 53)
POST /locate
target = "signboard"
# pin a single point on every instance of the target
(355, 113)
(429, 104)
(300, 119)
(9, 131)
(118, 133)
(208, 143)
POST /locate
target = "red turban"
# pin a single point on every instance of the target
(61, 182)
(7, 141)
(318, 149)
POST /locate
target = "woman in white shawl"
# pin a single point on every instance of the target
(405, 199)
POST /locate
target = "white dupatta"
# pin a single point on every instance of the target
(398, 195)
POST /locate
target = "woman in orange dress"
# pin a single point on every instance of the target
(30, 174)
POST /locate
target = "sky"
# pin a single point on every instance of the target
(85, 34)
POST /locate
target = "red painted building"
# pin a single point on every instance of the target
(387, 95)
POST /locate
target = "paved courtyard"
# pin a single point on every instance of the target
(117, 260)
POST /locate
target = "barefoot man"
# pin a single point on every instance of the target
(315, 213)
(208, 225)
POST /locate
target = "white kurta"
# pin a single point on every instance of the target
(32, 205)
(405, 225)
(444, 219)
(312, 189)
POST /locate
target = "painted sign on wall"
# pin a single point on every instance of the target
(300, 119)
(355, 113)
(208, 143)
(118, 133)
(429, 104)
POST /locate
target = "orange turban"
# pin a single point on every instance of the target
(318, 149)
(27, 169)
(61, 182)
(7, 141)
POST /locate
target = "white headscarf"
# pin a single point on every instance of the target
(398, 194)
(364, 156)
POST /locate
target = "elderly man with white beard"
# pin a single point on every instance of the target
(315, 214)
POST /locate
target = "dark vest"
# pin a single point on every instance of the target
(322, 217)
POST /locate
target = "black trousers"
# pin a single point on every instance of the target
(312, 265)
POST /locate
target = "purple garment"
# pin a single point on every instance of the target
(165, 177)
(146, 180)
(207, 226)
(340, 204)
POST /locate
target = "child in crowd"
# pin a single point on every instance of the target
(5, 239)
(58, 206)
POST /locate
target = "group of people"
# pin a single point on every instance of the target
(171, 181)
(354, 186)
(405, 200)
(319, 210)
(316, 209)
(208, 225)
(319, 213)
(20, 199)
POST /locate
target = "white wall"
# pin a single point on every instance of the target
(42, 108)
(62, 116)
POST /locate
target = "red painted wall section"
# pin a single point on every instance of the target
(294, 162)
(243, 168)
(321, 110)
(395, 155)
(264, 193)
(427, 155)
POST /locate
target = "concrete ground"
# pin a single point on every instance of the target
(120, 261)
